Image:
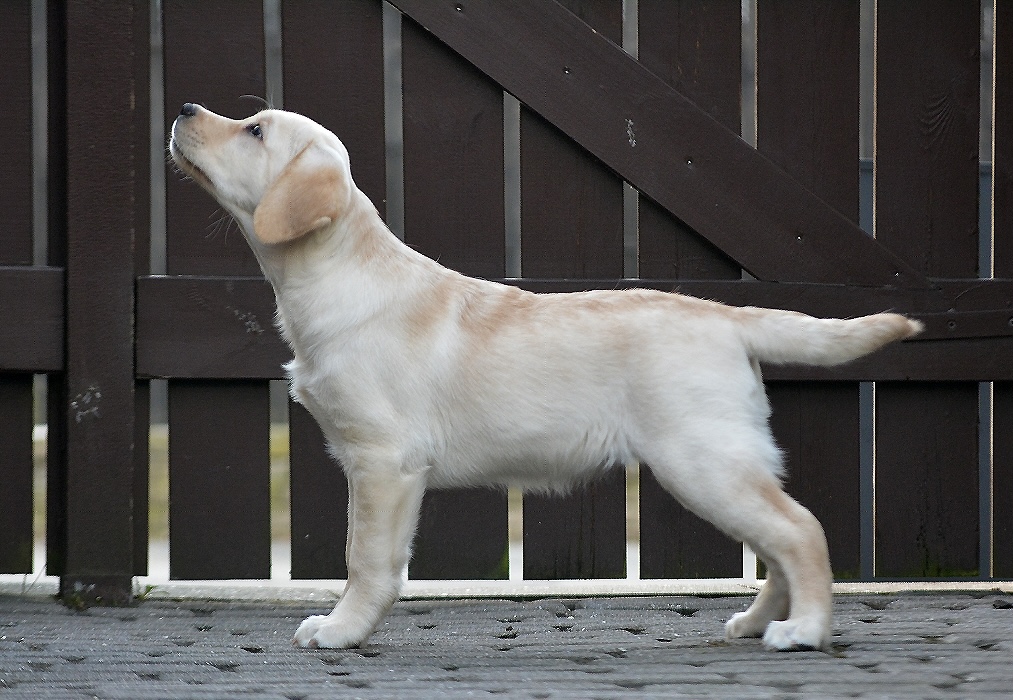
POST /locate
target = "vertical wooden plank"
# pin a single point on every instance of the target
(926, 193)
(16, 534)
(56, 205)
(1002, 481)
(816, 425)
(16, 249)
(106, 175)
(926, 480)
(319, 501)
(214, 54)
(1002, 149)
(219, 489)
(219, 505)
(351, 107)
(453, 158)
(572, 226)
(142, 266)
(695, 46)
(807, 95)
(1002, 241)
(15, 141)
(807, 122)
(454, 212)
(351, 68)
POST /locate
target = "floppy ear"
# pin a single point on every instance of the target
(308, 195)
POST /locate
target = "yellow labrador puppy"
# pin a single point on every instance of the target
(421, 377)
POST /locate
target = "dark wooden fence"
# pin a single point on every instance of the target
(906, 457)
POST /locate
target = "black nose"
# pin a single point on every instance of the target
(189, 109)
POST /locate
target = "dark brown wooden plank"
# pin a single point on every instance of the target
(196, 319)
(142, 266)
(816, 425)
(807, 95)
(453, 158)
(462, 535)
(319, 501)
(571, 207)
(351, 68)
(660, 142)
(1002, 241)
(16, 175)
(33, 319)
(694, 46)
(352, 107)
(926, 181)
(1002, 481)
(16, 249)
(454, 212)
(16, 474)
(56, 256)
(142, 424)
(225, 48)
(107, 174)
(214, 54)
(219, 480)
(927, 135)
(1002, 150)
(192, 327)
(926, 480)
(572, 226)
(582, 535)
(807, 122)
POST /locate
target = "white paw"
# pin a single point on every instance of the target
(308, 628)
(742, 624)
(797, 635)
(327, 632)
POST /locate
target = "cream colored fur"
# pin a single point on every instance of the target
(421, 377)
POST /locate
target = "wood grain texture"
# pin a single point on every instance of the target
(590, 89)
(572, 226)
(694, 46)
(926, 194)
(807, 123)
(454, 213)
(219, 478)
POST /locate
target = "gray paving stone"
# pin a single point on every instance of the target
(902, 646)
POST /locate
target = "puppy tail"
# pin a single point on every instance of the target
(788, 337)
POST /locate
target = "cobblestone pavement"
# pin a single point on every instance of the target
(905, 646)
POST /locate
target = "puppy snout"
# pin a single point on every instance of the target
(189, 110)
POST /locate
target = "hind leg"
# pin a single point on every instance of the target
(771, 604)
(735, 487)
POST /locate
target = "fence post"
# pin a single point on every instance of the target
(106, 92)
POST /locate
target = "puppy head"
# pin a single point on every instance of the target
(280, 174)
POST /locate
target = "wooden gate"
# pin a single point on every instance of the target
(905, 456)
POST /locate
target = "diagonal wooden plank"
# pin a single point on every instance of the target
(660, 142)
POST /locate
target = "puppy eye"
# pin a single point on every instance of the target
(255, 131)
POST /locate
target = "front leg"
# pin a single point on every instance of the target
(383, 511)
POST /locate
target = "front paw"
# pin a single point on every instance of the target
(307, 630)
(326, 632)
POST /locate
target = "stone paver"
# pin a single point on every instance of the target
(900, 646)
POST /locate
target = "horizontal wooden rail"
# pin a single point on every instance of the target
(222, 327)
(33, 313)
